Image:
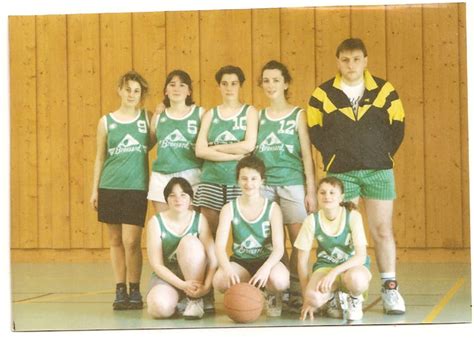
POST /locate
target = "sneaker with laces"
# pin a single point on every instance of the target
(354, 308)
(194, 309)
(135, 301)
(393, 303)
(181, 306)
(121, 301)
(273, 304)
(209, 301)
(333, 307)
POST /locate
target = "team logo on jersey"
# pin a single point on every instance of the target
(128, 145)
(271, 143)
(112, 126)
(163, 119)
(336, 256)
(225, 137)
(249, 246)
(175, 140)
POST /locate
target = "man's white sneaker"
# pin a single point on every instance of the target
(354, 308)
(392, 300)
(194, 309)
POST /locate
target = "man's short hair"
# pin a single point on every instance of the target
(351, 44)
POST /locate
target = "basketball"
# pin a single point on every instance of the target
(243, 303)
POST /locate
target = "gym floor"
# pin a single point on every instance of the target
(79, 296)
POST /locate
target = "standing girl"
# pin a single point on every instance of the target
(181, 253)
(120, 184)
(258, 240)
(228, 132)
(341, 272)
(283, 144)
(175, 130)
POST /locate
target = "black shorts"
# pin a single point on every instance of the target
(251, 265)
(117, 206)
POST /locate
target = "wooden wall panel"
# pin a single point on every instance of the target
(297, 52)
(149, 54)
(442, 121)
(64, 72)
(405, 72)
(265, 47)
(466, 234)
(220, 47)
(115, 60)
(23, 146)
(53, 145)
(368, 23)
(115, 56)
(84, 111)
(183, 48)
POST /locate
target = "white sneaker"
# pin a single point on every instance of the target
(354, 308)
(181, 306)
(194, 309)
(208, 300)
(273, 304)
(333, 307)
(393, 303)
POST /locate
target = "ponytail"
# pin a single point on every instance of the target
(349, 205)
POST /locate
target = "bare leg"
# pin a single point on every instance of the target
(212, 217)
(192, 258)
(379, 219)
(132, 236)
(293, 230)
(220, 281)
(357, 280)
(162, 300)
(279, 278)
(117, 253)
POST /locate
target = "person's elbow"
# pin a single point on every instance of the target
(248, 146)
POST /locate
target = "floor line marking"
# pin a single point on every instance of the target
(63, 296)
(444, 301)
(32, 298)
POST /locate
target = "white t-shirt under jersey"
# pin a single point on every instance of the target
(354, 93)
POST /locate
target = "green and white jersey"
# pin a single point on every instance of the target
(224, 131)
(170, 240)
(333, 250)
(278, 146)
(251, 239)
(176, 142)
(126, 163)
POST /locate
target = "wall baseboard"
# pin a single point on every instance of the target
(430, 255)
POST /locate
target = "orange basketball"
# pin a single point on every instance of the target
(243, 303)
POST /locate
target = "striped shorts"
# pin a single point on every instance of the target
(370, 184)
(214, 196)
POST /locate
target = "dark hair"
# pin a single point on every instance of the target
(182, 182)
(282, 68)
(229, 69)
(184, 78)
(351, 44)
(335, 182)
(134, 76)
(252, 162)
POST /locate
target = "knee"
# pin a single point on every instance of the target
(383, 232)
(314, 298)
(160, 307)
(191, 248)
(218, 282)
(355, 281)
(115, 240)
(279, 280)
(132, 243)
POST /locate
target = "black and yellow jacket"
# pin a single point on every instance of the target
(347, 142)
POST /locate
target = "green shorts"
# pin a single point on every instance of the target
(370, 184)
